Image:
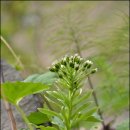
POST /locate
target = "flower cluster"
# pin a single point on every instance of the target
(72, 64)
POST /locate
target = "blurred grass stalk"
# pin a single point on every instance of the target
(18, 61)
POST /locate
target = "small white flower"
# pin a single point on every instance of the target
(89, 62)
(62, 66)
(96, 69)
(71, 57)
(76, 55)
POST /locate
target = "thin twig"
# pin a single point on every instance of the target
(8, 106)
(12, 51)
(96, 101)
(89, 80)
(23, 115)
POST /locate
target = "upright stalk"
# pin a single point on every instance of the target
(75, 39)
(12, 51)
(96, 101)
(24, 117)
(70, 110)
(71, 71)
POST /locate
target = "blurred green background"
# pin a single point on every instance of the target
(42, 31)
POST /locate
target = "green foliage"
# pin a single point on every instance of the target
(46, 128)
(33, 84)
(109, 88)
(73, 107)
(37, 118)
(30, 86)
(46, 78)
(23, 89)
(77, 36)
(97, 30)
(69, 72)
(42, 128)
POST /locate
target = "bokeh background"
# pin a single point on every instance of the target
(40, 32)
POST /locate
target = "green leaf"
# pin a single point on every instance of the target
(90, 112)
(64, 113)
(58, 96)
(83, 98)
(46, 128)
(31, 78)
(87, 114)
(77, 93)
(37, 118)
(93, 119)
(54, 102)
(57, 121)
(47, 78)
(48, 112)
(81, 108)
(14, 92)
(55, 94)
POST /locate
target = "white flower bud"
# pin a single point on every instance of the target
(76, 55)
(80, 90)
(62, 66)
(94, 71)
(88, 64)
(76, 66)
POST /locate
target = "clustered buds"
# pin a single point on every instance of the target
(87, 64)
(73, 62)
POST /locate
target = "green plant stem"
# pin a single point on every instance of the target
(24, 117)
(70, 111)
(12, 51)
(70, 96)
